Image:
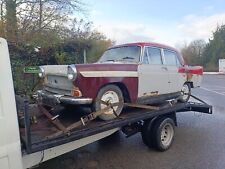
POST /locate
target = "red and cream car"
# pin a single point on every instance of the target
(143, 73)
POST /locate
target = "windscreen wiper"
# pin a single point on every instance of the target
(128, 58)
(110, 60)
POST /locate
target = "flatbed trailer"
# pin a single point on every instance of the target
(37, 144)
(130, 116)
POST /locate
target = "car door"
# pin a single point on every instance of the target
(172, 63)
(153, 75)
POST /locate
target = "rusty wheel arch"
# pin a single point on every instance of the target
(123, 89)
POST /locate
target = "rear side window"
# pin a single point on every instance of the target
(170, 57)
(152, 55)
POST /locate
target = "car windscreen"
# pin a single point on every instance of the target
(122, 54)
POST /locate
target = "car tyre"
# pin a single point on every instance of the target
(112, 94)
(185, 93)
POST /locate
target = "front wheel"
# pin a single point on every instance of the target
(109, 94)
(185, 93)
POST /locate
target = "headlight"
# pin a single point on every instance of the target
(72, 72)
(41, 74)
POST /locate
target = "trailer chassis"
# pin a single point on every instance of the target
(129, 122)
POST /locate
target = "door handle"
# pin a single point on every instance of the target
(165, 68)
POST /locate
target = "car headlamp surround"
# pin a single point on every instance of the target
(71, 72)
(41, 74)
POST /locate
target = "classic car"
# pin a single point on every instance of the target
(143, 73)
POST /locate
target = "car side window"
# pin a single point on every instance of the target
(145, 57)
(170, 57)
(152, 55)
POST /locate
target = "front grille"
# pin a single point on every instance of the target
(58, 85)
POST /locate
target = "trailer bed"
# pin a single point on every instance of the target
(35, 137)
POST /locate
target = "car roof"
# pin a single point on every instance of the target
(142, 44)
(154, 44)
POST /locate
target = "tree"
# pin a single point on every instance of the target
(2, 20)
(79, 36)
(45, 32)
(2, 3)
(33, 16)
(193, 53)
(11, 20)
(215, 49)
(208, 55)
(46, 12)
(97, 49)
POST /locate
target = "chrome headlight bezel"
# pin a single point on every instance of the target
(41, 74)
(71, 72)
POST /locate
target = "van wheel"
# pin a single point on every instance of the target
(185, 93)
(163, 134)
(111, 94)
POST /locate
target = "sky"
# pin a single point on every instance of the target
(172, 22)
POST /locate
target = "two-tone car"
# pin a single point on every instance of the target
(143, 73)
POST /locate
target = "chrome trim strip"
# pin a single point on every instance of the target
(74, 100)
(109, 73)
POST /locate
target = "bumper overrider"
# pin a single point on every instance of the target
(51, 99)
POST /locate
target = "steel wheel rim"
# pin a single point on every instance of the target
(167, 134)
(185, 92)
(109, 97)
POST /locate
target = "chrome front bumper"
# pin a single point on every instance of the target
(51, 99)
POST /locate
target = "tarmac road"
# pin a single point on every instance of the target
(199, 142)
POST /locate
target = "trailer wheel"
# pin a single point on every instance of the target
(112, 94)
(163, 134)
(185, 93)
